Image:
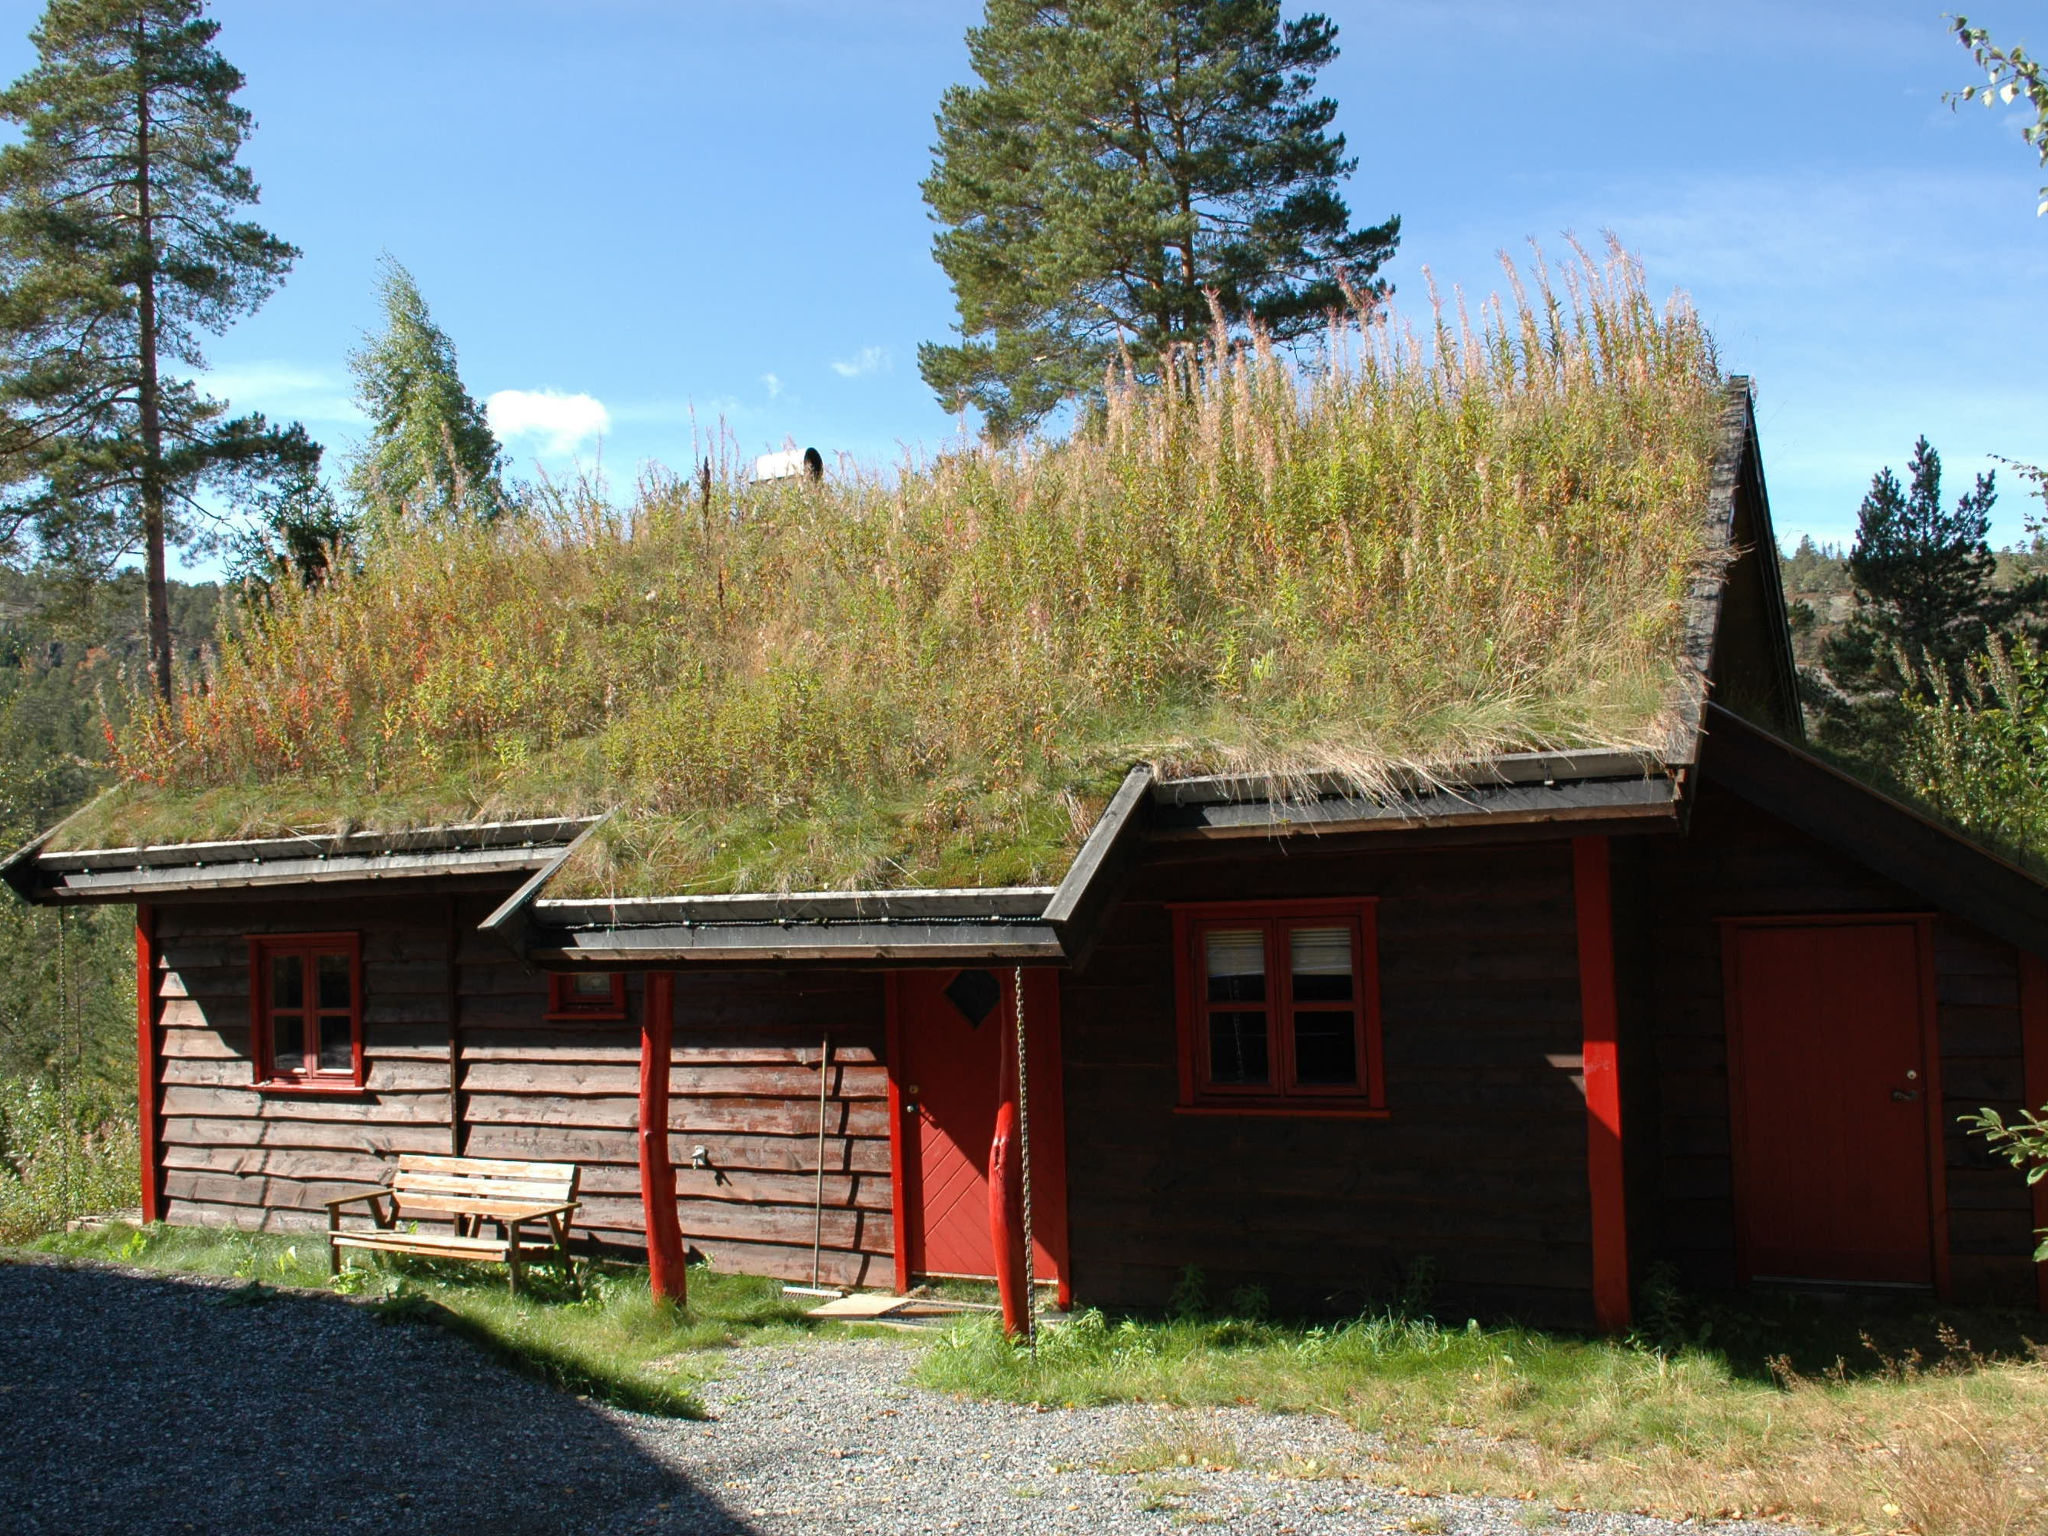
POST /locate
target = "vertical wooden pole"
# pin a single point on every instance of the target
(147, 1069)
(2034, 1027)
(1592, 887)
(657, 1173)
(1006, 1199)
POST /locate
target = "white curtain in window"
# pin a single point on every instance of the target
(1236, 952)
(1321, 951)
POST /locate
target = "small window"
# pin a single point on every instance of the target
(306, 995)
(586, 995)
(1279, 1007)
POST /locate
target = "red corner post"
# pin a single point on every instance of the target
(1592, 887)
(657, 1173)
(148, 1074)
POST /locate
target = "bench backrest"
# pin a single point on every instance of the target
(461, 1185)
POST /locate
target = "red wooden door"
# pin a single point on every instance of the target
(954, 1046)
(1831, 1086)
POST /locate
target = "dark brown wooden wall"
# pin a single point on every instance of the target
(1739, 861)
(1479, 1170)
(744, 1087)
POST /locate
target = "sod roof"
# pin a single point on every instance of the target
(1433, 547)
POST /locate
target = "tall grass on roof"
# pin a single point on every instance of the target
(1438, 543)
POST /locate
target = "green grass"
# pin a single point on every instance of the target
(1850, 1417)
(614, 1342)
(1450, 542)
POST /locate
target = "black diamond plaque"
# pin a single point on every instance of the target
(975, 994)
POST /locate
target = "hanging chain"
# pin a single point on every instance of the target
(1024, 1167)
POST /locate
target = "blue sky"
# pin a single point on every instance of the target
(674, 208)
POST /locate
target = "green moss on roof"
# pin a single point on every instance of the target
(1435, 548)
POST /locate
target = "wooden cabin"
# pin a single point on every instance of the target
(1527, 1030)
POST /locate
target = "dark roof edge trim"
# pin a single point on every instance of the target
(1656, 798)
(955, 943)
(1885, 835)
(512, 906)
(1511, 768)
(1701, 626)
(794, 906)
(547, 832)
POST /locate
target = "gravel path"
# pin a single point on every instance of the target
(134, 1403)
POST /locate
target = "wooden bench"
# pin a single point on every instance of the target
(473, 1192)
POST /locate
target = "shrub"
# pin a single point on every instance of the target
(65, 1152)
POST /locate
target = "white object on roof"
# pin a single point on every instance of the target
(789, 464)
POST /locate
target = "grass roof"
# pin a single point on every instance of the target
(1437, 544)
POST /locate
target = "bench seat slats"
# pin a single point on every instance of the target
(532, 1191)
(437, 1242)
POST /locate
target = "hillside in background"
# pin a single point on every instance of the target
(1819, 597)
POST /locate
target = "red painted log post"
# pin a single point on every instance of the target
(149, 1073)
(1592, 887)
(657, 1174)
(1006, 1221)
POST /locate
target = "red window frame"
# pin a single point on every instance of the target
(273, 1071)
(1281, 1093)
(565, 1002)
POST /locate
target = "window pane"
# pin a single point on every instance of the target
(1325, 1050)
(337, 1043)
(287, 1043)
(1236, 960)
(1237, 1048)
(1321, 964)
(591, 986)
(334, 981)
(287, 982)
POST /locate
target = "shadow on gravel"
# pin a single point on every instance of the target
(137, 1404)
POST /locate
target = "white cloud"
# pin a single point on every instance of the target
(870, 360)
(283, 391)
(773, 384)
(565, 421)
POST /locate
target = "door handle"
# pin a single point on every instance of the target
(1904, 1095)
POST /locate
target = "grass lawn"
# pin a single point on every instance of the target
(614, 1343)
(1863, 1417)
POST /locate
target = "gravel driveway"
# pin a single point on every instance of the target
(134, 1403)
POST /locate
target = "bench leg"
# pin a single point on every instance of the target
(560, 1226)
(512, 1255)
(333, 1250)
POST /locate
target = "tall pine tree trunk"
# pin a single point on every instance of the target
(155, 585)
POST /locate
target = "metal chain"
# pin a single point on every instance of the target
(1024, 1167)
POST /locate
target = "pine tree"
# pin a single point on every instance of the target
(1120, 162)
(1923, 578)
(119, 248)
(430, 451)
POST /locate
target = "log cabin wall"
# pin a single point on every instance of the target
(1739, 861)
(745, 1087)
(1472, 1190)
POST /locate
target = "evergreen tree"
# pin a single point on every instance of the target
(1119, 162)
(1922, 576)
(298, 530)
(119, 248)
(430, 452)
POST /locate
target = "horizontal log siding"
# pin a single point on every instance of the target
(745, 1087)
(1739, 861)
(1477, 1177)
